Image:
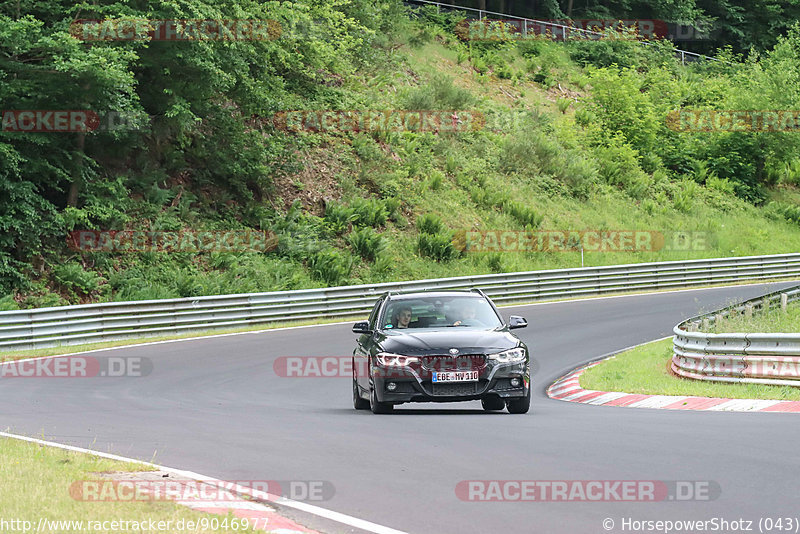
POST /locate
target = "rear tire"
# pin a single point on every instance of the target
(378, 407)
(491, 404)
(358, 402)
(520, 405)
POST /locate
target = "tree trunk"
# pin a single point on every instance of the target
(77, 178)
(569, 9)
(77, 169)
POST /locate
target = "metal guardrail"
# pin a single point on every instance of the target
(750, 358)
(89, 323)
(559, 29)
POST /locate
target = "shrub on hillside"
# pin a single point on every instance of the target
(367, 243)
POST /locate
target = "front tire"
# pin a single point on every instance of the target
(491, 404)
(520, 405)
(358, 402)
(378, 407)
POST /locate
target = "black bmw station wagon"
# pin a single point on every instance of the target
(440, 346)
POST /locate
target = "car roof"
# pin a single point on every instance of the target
(434, 293)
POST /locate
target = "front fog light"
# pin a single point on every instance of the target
(391, 386)
(516, 382)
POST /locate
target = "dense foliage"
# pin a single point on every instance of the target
(205, 154)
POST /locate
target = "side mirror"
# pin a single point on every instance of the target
(516, 321)
(362, 327)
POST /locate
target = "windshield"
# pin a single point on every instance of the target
(440, 312)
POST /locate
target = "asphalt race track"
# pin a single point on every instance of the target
(215, 406)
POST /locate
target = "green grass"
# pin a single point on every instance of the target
(645, 369)
(35, 482)
(773, 320)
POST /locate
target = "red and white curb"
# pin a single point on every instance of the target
(246, 509)
(258, 515)
(568, 389)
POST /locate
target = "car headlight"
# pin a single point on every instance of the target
(508, 356)
(388, 359)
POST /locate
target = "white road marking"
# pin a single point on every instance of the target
(304, 507)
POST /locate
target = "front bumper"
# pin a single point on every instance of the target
(411, 387)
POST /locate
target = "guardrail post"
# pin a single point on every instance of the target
(784, 301)
(748, 310)
(706, 324)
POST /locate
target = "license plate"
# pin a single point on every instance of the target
(455, 376)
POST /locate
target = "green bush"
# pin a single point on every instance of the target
(622, 106)
(369, 212)
(524, 214)
(439, 93)
(437, 246)
(74, 277)
(435, 180)
(8, 303)
(722, 185)
(529, 151)
(428, 223)
(684, 197)
(619, 166)
(487, 196)
(495, 262)
(330, 266)
(367, 243)
(787, 211)
(338, 217)
(392, 205)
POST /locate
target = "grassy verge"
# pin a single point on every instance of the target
(36, 480)
(645, 369)
(773, 320)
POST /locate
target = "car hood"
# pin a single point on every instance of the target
(424, 341)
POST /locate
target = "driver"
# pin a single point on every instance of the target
(467, 315)
(402, 317)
